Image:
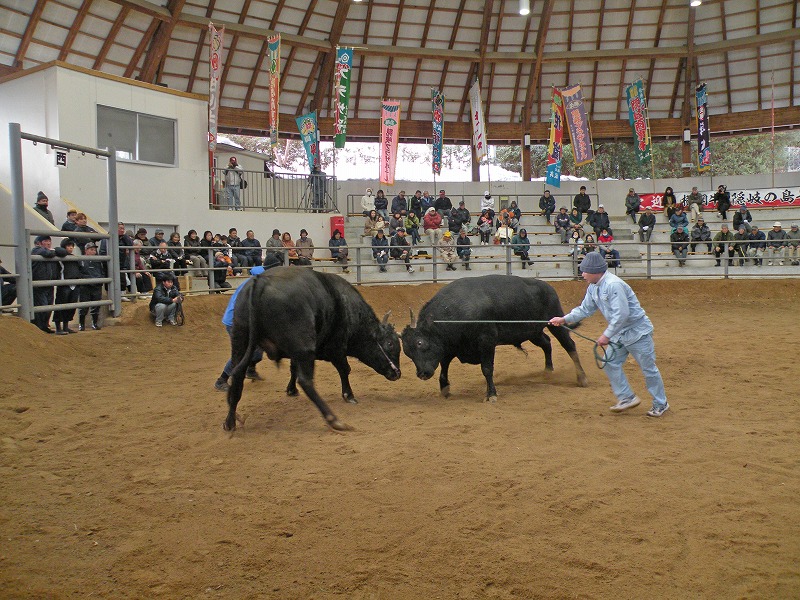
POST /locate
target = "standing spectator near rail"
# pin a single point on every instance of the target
(67, 294)
(8, 287)
(40, 207)
(629, 331)
(69, 224)
(90, 292)
(125, 242)
(233, 180)
(47, 269)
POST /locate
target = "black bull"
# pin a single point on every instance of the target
(305, 316)
(489, 298)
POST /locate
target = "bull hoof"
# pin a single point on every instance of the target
(228, 426)
(548, 368)
(445, 391)
(290, 392)
(338, 426)
(583, 382)
(491, 399)
(349, 399)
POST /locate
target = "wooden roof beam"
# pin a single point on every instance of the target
(536, 67)
(262, 53)
(231, 50)
(74, 29)
(452, 43)
(624, 67)
(676, 87)
(362, 59)
(137, 54)
(518, 79)
(27, 36)
(395, 35)
(201, 46)
(303, 26)
(327, 64)
(425, 31)
(111, 37)
(495, 45)
(161, 40)
(569, 41)
(659, 28)
(758, 53)
(686, 112)
(597, 47)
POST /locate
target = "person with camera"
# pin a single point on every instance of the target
(723, 199)
(233, 181)
(165, 301)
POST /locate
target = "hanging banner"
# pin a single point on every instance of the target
(341, 93)
(555, 150)
(214, 73)
(703, 133)
(578, 124)
(637, 117)
(478, 124)
(307, 125)
(437, 108)
(390, 134)
(274, 47)
(754, 198)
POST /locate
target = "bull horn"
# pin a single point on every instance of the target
(386, 317)
(413, 323)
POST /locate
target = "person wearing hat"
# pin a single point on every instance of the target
(722, 198)
(679, 219)
(67, 294)
(147, 248)
(462, 215)
(776, 243)
(367, 202)
(647, 222)
(447, 248)
(41, 207)
(521, 246)
(680, 245)
(695, 202)
(90, 292)
(562, 224)
(598, 220)
(157, 238)
(742, 217)
(700, 234)
(69, 224)
(740, 243)
(793, 244)
(487, 204)
(582, 202)
(400, 204)
(723, 242)
(547, 204)
(756, 246)
(629, 331)
(305, 249)
(275, 246)
(632, 202)
(46, 269)
(400, 249)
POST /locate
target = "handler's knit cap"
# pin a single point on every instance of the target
(594, 263)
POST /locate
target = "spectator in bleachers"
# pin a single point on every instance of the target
(193, 254)
(443, 204)
(679, 219)
(447, 248)
(579, 228)
(415, 203)
(239, 257)
(487, 204)
(164, 302)
(723, 243)
(463, 214)
(367, 202)
(776, 243)
(669, 202)
(124, 252)
(45, 270)
(8, 287)
(380, 250)
(207, 241)
(723, 199)
(157, 238)
(757, 246)
(743, 217)
(647, 222)
(81, 226)
(290, 248)
(395, 222)
(90, 292)
(67, 294)
(252, 249)
(588, 244)
(430, 225)
(575, 217)
(222, 268)
(793, 244)
(504, 233)
(69, 224)
(338, 247)
(740, 243)
(305, 248)
(680, 245)
(176, 253)
(373, 223)
(426, 202)
(455, 222)
(547, 204)
(274, 246)
(632, 202)
(463, 248)
(41, 207)
(400, 204)
(598, 220)
(411, 225)
(145, 247)
(606, 247)
(563, 225)
(582, 202)
(485, 227)
(382, 205)
(515, 212)
(521, 246)
(142, 276)
(700, 234)
(695, 200)
(575, 243)
(161, 259)
(400, 249)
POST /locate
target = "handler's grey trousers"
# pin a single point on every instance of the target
(644, 352)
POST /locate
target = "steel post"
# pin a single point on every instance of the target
(21, 257)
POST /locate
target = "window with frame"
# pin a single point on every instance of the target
(137, 137)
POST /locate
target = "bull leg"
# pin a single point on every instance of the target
(544, 343)
(566, 341)
(343, 367)
(487, 368)
(444, 382)
(305, 377)
(291, 389)
(235, 386)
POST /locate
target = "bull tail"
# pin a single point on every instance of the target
(242, 365)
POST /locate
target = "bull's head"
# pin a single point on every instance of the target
(422, 346)
(385, 359)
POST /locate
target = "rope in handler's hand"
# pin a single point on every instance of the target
(602, 354)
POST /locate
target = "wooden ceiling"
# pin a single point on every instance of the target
(745, 50)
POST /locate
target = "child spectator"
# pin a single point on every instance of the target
(373, 223)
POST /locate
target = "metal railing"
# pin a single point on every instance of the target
(276, 191)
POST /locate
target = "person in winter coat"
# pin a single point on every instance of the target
(487, 204)
(415, 203)
(723, 242)
(521, 246)
(447, 248)
(757, 246)
(669, 202)
(90, 292)
(426, 202)
(380, 250)
(632, 202)
(305, 249)
(443, 204)
(463, 216)
(515, 211)
(547, 204)
(575, 217)
(141, 276)
(400, 204)
(275, 247)
(563, 225)
(700, 234)
(8, 287)
(252, 248)
(67, 294)
(454, 222)
(382, 205)
(695, 201)
(793, 244)
(430, 224)
(743, 217)
(485, 227)
(177, 254)
(161, 261)
(194, 255)
(680, 245)
(289, 247)
(647, 221)
(723, 199)
(605, 241)
(740, 242)
(463, 248)
(373, 223)
(45, 270)
(42, 202)
(367, 202)
(582, 202)
(396, 221)
(776, 243)
(338, 248)
(679, 219)
(222, 266)
(164, 302)
(599, 220)
(411, 225)
(399, 249)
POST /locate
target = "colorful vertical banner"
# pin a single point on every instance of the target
(578, 124)
(307, 125)
(341, 91)
(390, 134)
(437, 116)
(555, 150)
(637, 117)
(274, 48)
(214, 74)
(703, 133)
(478, 124)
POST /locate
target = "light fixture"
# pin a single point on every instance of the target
(687, 135)
(526, 140)
(525, 7)
(695, 3)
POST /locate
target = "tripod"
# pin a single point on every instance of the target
(316, 197)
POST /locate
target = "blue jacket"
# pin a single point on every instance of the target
(227, 316)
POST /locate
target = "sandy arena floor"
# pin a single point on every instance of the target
(118, 481)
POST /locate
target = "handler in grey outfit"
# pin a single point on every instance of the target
(629, 331)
